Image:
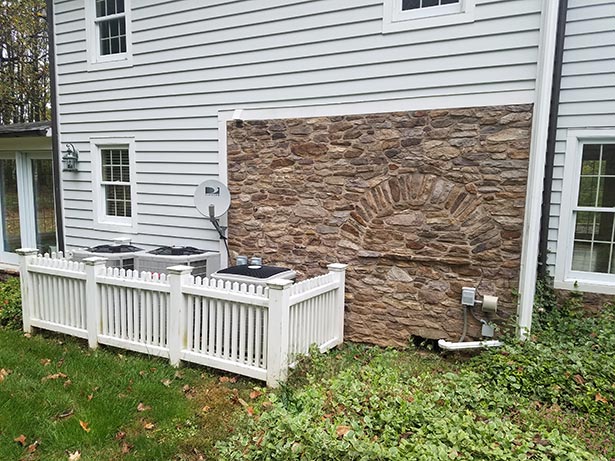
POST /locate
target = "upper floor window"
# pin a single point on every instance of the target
(416, 4)
(108, 33)
(111, 26)
(400, 15)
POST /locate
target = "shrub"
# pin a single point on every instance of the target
(10, 303)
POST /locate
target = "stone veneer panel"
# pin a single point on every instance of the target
(419, 204)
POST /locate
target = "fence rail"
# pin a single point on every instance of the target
(253, 330)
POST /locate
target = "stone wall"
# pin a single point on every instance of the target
(419, 204)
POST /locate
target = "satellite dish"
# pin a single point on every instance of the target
(212, 198)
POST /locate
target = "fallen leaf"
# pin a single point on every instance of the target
(255, 394)
(206, 408)
(90, 397)
(267, 405)
(67, 383)
(227, 379)
(45, 362)
(60, 362)
(579, 379)
(21, 439)
(250, 411)
(66, 414)
(600, 398)
(54, 377)
(126, 447)
(121, 435)
(84, 426)
(76, 456)
(27, 335)
(142, 373)
(179, 375)
(341, 431)
(4, 373)
(142, 407)
(242, 402)
(166, 382)
(148, 426)
(32, 447)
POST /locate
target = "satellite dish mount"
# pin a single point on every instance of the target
(212, 200)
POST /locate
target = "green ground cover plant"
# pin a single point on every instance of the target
(10, 303)
(548, 399)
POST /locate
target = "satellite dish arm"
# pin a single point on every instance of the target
(215, 222)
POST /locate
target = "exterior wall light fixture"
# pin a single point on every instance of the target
(70, 158)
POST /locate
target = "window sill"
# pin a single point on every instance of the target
(589, 286)
(117, 63)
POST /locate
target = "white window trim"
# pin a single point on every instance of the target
(96, 61)
(102, 220)
(397, 20)
(565, 277)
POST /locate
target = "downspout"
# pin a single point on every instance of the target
(55, 130)
(551, 140)
(536, 167)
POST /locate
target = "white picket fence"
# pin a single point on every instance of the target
(252, 330)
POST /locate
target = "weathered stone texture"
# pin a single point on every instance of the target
(419, 204)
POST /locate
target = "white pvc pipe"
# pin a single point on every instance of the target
(450, 346)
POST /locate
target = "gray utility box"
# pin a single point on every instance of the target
(257, 275)
(120, 255)
(203, 262)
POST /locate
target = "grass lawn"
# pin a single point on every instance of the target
(108, 405)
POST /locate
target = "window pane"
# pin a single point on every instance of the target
(115, 28)
(111, 7)
(591, 159)
(119, 6)
(448, 2)
(585, 226)
(603, 230)
(101, 9)
(122, 44)
(588, 189)
(410, 4)
(601, 254)
(427, 3)
(606, 197)
(581, 256)
(608, 158)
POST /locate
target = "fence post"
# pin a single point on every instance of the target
(26, 255)
(278, 334)
(176, 339)
(339, 270)
(94, 266)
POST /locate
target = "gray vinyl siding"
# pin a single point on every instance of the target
(191, 60)
(587, 99)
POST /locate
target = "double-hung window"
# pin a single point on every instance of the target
(108, 25)
(111, 26)
(116, 181)
(402, 15)
(114, 188)
(586, 247)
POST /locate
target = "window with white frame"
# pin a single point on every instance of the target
(108, 26)
(585, 217)
(594, 211)
(417, 4)
(402, 15)
(115, 173)
(111, 26)
(114, 182)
